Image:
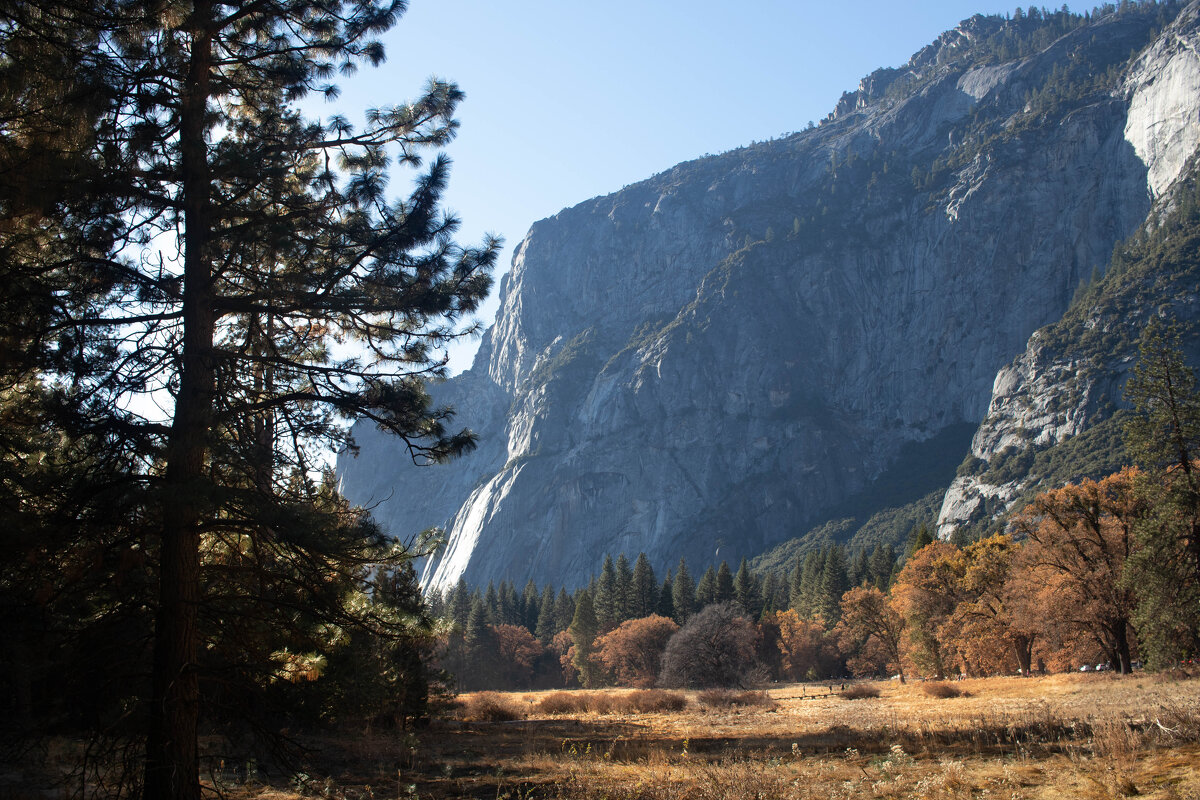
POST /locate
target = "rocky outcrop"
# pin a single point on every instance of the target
(1051, 393)
(708, 362)
(1163, 89)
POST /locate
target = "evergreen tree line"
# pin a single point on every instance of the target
(621, 593)
(1097, 573)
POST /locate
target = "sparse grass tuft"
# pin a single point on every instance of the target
(860, 691)
(641, 701)
(563, 703)
(727, 698)
(942, 690)
(1048, 738)
(656, 701)
(489, 707)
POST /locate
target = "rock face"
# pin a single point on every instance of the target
(1054, 391)
(706, 363)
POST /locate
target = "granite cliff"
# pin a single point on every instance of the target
(716, 359)
(1054, 415)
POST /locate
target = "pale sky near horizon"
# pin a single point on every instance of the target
(566, 101)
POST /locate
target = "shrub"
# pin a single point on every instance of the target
(639, 702)
(489, 707)
(633, 651)
(942, 690)
(860, 691)
(601, 703)
(727, 698)
(649, 701)
(563, 703)
(715, 648)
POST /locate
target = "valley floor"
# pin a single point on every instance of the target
(1058, 736)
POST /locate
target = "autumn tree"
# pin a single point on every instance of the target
(870, 622)
(926, 593)
(991, 625)
(562, 648)
(1079, 538)
(516, 653)
(714, 648)
(632, 653)
(807, 650)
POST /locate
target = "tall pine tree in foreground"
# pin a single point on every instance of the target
(1164, 436)
(212, 250)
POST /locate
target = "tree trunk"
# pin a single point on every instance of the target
(1121, 647)
(1023, 646)
(172, 757)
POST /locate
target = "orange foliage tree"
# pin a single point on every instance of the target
(808, 650)
(925, 593)
(632, 652)
(987, 631)
(516, 653)
(563, 647)
(1079, 538)
(869, 626)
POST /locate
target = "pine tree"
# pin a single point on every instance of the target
(834, 583)
(806, 593)
(624, 595)
(491, 605)
(479, 647)
(795, 586)
(683, 594)
(511, 612)
(883, 562)
(725, 592)
(706, 589)
(605, 600)
(202, 145)
(530, 606)
(564, 610)
(861, 571)
(770, 588)
(645, 589)
(747, 592)
(546, 627)
(1164, 436)
(584, 628)
(918, 539)
(666, 598)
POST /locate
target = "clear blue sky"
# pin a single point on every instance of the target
(569, 100)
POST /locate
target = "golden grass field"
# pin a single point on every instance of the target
(1058, 736)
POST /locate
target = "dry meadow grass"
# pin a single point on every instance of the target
(1094, 737)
